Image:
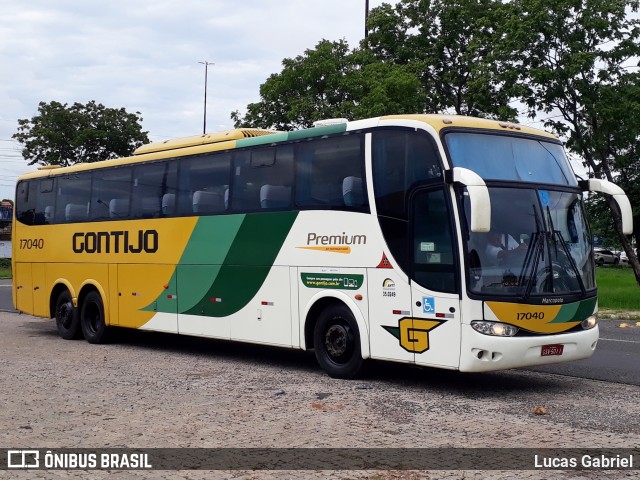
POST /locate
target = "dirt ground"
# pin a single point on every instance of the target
(150, 390)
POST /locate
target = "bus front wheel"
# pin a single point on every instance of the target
(66, 315)
(336, 341)
(92, 318)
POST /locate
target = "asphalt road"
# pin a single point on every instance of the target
(617, 357)
(6, 302)
(616, 360)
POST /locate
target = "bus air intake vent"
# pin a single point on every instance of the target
(254, 132)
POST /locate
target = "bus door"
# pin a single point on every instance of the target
(433, 332)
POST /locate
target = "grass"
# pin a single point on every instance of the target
(5, 268)
(617, 289)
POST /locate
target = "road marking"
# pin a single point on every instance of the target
(615, 340)
(8, 286)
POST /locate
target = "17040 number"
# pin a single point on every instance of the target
(32, 244)
(530, 315)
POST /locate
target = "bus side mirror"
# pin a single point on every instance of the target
(478, 196)
(604, 186)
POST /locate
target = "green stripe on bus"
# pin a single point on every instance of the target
(207, 248)
(247, 265)
(263, 140)
(576, 312)
(291, 136)
(225, 263)
(318, 131)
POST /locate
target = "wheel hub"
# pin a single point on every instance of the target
(336, 340)
(65, 314)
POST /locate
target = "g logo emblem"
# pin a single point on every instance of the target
(413, 333)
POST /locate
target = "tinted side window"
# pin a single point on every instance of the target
(74, 197)
(263, 178)
(400, 159)
(330, 173)
(203, 185)
(110, 196)
(154, 190)
(45, 203)
(26, 201)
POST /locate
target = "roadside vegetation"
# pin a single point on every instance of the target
(617, 288)
(5, 268)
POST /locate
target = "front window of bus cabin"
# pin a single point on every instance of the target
(539, 243)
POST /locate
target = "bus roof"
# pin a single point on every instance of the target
(442, 121)
(247, 137)
(204, 139)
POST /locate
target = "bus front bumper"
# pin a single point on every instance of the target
(483, 353)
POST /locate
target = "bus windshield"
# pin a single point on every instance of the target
(539, 244)
(502, 157)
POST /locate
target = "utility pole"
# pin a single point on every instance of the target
(206, 71)
(366, 18)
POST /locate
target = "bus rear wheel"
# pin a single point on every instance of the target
(92, 318)
(336, 342)
(66, 315)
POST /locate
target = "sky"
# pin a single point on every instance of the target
(143, 56)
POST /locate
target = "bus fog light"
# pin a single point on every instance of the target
(590, 322)
(495, 329)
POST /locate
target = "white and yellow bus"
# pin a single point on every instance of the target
(442, 241)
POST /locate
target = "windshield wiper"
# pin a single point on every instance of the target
(572, 261)
(556, 237)
(536, 249)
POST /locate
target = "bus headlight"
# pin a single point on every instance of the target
(495, 329)
(590, 322)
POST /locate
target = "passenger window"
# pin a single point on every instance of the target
(74, 197)
(401, 159)
(330, 174)
(153, 184)
(110, 194)
(26, 201)
(203, 186)
(263, 179)
(45, 203)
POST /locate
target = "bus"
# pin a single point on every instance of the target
(434, 240)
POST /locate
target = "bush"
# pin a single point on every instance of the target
(5, 268)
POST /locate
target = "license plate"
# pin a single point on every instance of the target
(548, 350)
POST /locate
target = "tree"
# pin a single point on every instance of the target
(570, 59)
(420, 56)
(64, 135)
(449, 44)
(331, 81)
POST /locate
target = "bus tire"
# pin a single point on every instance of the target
(336, 342)
(92, 318)
(66, 315)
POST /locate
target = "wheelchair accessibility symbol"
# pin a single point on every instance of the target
(428, 305)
